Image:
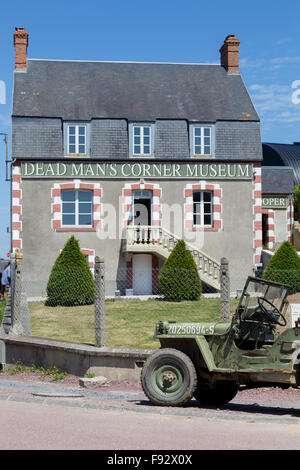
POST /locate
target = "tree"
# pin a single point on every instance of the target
(297, 203)
(179, 278)
(71, 281)
(284, 267)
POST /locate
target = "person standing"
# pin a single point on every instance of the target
(5, 280)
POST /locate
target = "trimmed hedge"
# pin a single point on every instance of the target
(284, 267)
(179, 278)
(71, 281)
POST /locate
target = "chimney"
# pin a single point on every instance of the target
(20, 43)
(230, 53)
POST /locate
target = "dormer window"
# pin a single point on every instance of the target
(201, 141)
(141, 140)
(76, 139)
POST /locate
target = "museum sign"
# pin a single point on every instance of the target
(136, 170)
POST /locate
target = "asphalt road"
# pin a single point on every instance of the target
(46, 416)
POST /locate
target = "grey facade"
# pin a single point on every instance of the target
(41, 244)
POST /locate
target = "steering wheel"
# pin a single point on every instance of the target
(270, 313)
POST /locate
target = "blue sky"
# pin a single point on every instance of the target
(162, 31)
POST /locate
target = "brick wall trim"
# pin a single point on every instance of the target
(216, 206)
(16, 208)
(56, 206)
(127, 193)
(257, 215)
(90, 254)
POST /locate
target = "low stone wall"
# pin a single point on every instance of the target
(75, 358)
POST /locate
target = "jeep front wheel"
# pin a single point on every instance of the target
(169, 378)
(220, 394)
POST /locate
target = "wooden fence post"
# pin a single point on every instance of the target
(225, 290)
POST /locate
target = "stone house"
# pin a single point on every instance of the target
(130, 157)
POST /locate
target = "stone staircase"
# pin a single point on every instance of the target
(160, 241)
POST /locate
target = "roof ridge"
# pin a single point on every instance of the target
(125, 62)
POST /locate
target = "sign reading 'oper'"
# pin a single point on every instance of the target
(274, 202)
(136, 170)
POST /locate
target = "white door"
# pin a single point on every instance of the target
(142, 274)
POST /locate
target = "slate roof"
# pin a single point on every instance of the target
(74, 90)
(277, 180)
(283, 155)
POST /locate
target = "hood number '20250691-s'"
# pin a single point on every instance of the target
(191, 329)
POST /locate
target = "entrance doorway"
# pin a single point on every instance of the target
(142, 274)
(142, 207)
(265, 229)
(142, 214)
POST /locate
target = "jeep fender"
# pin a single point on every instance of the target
(184, 344)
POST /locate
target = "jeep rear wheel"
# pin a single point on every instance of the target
(169, 378)
(220, 394)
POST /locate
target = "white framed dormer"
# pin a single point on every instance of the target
(141, 140)
(202, 140)
(76, 139)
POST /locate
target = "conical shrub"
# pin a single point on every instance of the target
(284, 267)
(71, 281)
(179, 278)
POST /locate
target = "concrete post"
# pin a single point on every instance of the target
(99, 303)
(16, 276)
(225, 290)
(13, 270)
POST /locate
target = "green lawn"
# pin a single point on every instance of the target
(129, 323)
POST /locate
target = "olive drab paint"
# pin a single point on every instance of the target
(245, 351)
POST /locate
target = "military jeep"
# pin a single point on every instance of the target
(213, 361)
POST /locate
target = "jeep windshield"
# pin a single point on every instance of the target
(267, 291)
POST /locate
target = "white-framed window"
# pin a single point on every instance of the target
(202, 141)
(76, 139)
(141, 140)
(202, 208)
(77, 208)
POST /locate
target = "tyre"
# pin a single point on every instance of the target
(169, 378)
(220, 394)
